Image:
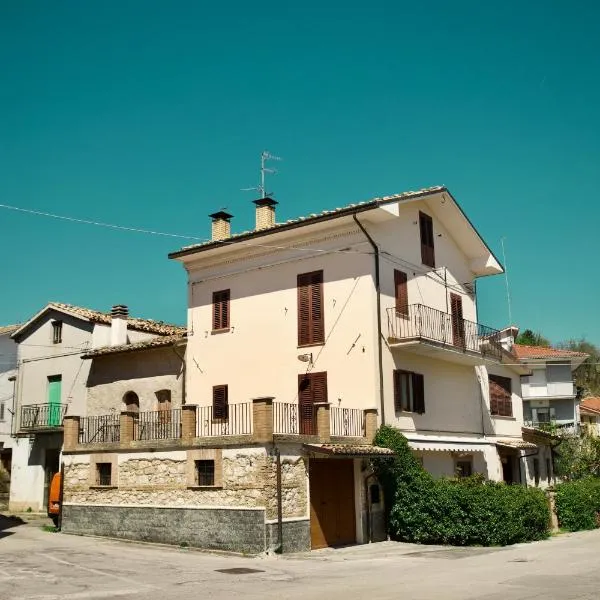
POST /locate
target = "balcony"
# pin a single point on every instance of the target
(428, 331)
(42, 417)
(568, 429)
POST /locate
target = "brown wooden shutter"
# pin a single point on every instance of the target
(221, 309)
(306, 412)
(458, 323)
(418, 386)
(311, 322)
(427, 244)
(397, 390)
(401, 291)
(319, 386)
(500, 395)
(220, 402)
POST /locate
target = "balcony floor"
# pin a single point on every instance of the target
(440, 351)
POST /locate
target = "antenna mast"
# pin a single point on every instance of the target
(506, 281)
(265, 155)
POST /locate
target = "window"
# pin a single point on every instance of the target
(500, 396)
(131, 402)
(312, 389)
(205, 472)
(221, 309)
(401, 292)
(311, 321)
(427, 248)
(103, 473)
(56, 332)
(220, 402)
(464, 467)
(2, 408)
(409, 392)
(536, 470)
(549, 471)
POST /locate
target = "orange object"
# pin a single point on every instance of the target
(54, 498)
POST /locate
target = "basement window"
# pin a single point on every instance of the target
(104, 474)
(56, 332)
(205, 473)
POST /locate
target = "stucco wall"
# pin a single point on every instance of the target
(112, 376)
(8, 364)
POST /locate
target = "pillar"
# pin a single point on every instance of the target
(71, 432)
(262, 416)
(323, 421)
(370, 424)
(126, 426)
(188, 421)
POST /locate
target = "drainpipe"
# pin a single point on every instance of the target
(378, 292)
(279, 500)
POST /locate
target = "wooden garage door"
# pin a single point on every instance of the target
(332, 521)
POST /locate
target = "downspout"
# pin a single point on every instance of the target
(378, 293)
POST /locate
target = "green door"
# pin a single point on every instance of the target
(54, 389)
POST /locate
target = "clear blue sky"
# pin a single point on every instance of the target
(153, 114)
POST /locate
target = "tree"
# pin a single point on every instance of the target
(587, 376)
(531, 338)
(578, 457)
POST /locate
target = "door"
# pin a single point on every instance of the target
(51, 466)
(332, 516)
(54, 394)
(458, 323)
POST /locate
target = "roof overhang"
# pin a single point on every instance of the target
(516, 444)
(347, 450)
(21, 331)
(449, 444)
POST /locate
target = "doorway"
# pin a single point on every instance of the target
(51, 466)
(332, 510)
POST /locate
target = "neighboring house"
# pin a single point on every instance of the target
(549, 394)
(589, 413)
(8, 369)
(51, 382)
(302, 337)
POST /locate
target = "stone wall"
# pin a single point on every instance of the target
(296, 536)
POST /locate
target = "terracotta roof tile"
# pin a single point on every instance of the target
(156, 342)
(5, 329)
(349, 449)
(523, 352)
(516, 443)
(591, 404)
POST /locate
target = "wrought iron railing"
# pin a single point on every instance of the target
(99, 429)
(559, 429)
(157, 425)
(423, 323)
(294, 419)
(42, 416)
(347, 422)
(238, 420)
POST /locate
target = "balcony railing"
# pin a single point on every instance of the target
(423, 323)
(347, 422)
(157, 425)
(42, 416)
(560, 429)
(99, 429)
(293, 419)
(238, 421)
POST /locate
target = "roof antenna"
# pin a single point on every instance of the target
(264, 157)
(510, 323)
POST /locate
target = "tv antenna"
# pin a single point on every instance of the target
(260, 188)
(506, 282)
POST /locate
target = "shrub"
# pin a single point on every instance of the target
(460, 512)
(578, 504)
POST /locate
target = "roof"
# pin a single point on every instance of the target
(590, 405)
(348, 450)
(157, 342)
(536, 352)
(6, 329)
(95, 316)
(327, 215)
(517, 444)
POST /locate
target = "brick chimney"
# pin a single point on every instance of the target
(265, 212)
(221, 227)
(118, 325)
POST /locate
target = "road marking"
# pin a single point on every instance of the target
(79, 595)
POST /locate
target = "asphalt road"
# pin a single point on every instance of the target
(35, 564)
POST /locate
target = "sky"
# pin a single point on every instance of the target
(153, 114)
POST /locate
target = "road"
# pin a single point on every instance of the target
(39, 565)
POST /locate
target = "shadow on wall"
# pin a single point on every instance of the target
(134, 365)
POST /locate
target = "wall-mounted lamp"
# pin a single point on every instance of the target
(305, 357)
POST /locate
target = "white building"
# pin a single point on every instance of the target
(51, 383)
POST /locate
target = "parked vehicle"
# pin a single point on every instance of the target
(55, 498)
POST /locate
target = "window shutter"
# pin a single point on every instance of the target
(221, 309)
(458, 323)
(316, 302)
(319, 386)
(427, 245)
(304, 321)
(220, 402)
(305, 404)
(401, 291)
(500, 395)
(397, 390)
(311, 322)
(418, 385)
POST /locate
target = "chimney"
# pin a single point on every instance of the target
(265, 212)
(118, 325)
(221, 227)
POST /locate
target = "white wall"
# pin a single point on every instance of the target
(8, 364)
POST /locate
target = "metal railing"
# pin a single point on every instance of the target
(424, 323)
(347, 422)
(157, 425)
(99, 429)
(238, 421)
(293, 419)
(42, 416)
(560, 429)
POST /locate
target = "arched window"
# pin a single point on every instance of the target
(131, 402)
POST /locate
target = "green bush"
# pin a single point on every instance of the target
(578, 504)
(460, 512)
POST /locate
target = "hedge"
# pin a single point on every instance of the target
(459, 512)
(578, 504)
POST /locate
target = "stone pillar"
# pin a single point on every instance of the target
(71, 432)
(126, 426)
(553, 516)
(188, 421)
(370, 424)
(323, 421)
(262, 415)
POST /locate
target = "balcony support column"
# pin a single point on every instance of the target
(71, 432)
(262, 417)
(323, 421)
